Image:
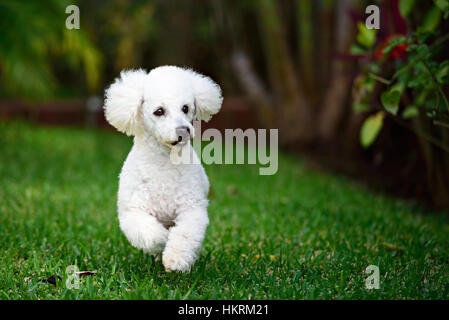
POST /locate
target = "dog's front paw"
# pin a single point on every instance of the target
(176, 260)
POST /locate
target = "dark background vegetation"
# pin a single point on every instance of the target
(370, 104)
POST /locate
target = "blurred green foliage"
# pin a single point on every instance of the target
(40, 58)
(34, 36)
(417, 68)
(409, 67)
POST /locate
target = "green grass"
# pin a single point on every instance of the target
(296, 235)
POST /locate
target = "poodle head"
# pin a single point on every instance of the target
(162, 103)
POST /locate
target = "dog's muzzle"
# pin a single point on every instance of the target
(183, 134)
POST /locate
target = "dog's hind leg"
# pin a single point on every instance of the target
(185, 239)
(143, 231)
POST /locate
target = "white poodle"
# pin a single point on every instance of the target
(162, 206)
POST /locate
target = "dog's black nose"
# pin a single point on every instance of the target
(183, 133)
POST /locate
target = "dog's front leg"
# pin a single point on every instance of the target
(185, 239)
(143, 231)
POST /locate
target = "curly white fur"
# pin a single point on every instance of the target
(162, 206)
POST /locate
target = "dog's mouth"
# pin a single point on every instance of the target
(179, 142)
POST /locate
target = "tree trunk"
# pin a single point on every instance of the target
(253, 87)
(336, 96)
(294, 116)
(437, 161)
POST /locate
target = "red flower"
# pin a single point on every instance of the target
(398, 52)
(380, 51)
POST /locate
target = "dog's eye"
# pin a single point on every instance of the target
(159, 112)
(185, 108)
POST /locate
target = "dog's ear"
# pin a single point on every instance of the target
(123, 101)
(207, 94)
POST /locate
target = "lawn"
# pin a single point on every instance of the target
(299, 234)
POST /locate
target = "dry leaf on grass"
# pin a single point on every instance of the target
(391, 247)
(86, 273)
(51, 280)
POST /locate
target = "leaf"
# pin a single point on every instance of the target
(390, 100)
(406, 6)
(432, 19)
(361, 107)
(442, 74)
(86, 273)
(357, 50)
(371, 128)
(51, 280)
(410, 112)
(393, 43)
(366, 37)
(391, 247)
(442, 4)
(421, 96)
